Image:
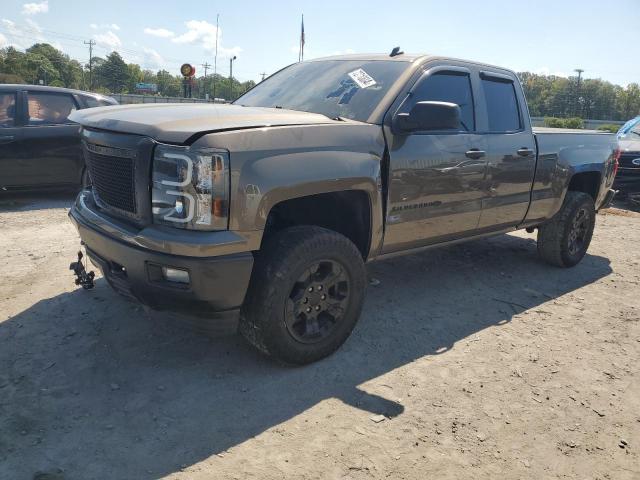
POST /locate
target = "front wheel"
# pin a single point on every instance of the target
(305, 295)
(564, 240)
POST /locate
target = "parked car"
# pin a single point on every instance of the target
(39, 145)
(266, 211)
(628, 177)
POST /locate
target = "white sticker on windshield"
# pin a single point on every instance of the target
(362, 78)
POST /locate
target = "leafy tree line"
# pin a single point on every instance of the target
(547, 95)
(44, 63)
(552, 96)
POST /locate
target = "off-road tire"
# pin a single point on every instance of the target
(554, 236)
(286, 256)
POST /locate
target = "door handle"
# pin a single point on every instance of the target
(525, 152)
(7, 138)
(475, 154)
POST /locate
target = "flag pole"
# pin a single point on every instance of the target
(215, 58)
(301, 51)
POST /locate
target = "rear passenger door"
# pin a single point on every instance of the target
(10, 136)
(511, 150)
(51, 140)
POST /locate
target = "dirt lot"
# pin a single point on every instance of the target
(482, 361)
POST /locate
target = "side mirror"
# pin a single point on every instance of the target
(429, 116)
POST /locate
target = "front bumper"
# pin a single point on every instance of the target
(627, 180)
(217, 284)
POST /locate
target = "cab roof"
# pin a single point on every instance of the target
(418, 58)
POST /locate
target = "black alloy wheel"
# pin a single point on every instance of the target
(318, 301)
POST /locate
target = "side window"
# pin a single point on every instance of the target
(50, 108)
(502, 105)
(7, 110)
(448, 87)
(92, 102)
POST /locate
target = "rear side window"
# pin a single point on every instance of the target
(7, 110)
(50, 108)
(502, 105)
(450, 87)
(92, 102)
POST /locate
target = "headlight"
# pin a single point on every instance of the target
(190, 187)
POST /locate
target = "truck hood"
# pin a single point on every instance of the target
(176, 123)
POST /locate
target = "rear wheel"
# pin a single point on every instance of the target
(305, 295)
(564, 240)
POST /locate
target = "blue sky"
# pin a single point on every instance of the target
(543, 36)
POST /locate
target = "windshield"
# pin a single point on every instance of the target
(335, 88)
(632, 127)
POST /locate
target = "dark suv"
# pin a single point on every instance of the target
(628, 178)
(39, 145)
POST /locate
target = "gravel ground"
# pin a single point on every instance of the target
(473, 361)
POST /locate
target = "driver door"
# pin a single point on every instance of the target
(436, 178)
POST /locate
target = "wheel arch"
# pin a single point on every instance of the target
(349, 212)
(588, 182)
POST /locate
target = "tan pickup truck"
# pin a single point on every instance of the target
(266, 211)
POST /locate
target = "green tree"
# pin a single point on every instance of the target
(66, 72)
(134, 75)
(168, 85)
(112, 74)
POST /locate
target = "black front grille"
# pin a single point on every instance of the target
(627, 159)
(112, 177)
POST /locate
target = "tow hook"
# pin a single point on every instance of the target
(83, 277)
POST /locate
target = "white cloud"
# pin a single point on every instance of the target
(33, 25)
(35, 8)
(22, 36)
(18, 35)
(13, 32)
(159, 32)
(105, 26)
(108, 39)
(203, 33)
(153, 58)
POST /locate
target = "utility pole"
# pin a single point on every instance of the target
(231, 77)
(263, 76)
(579, 71)
(91, 43)
(206, 66)
(215, 58)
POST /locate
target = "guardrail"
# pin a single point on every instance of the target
(588, 124)
(129, 98)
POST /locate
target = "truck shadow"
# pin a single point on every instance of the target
(90, 384)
